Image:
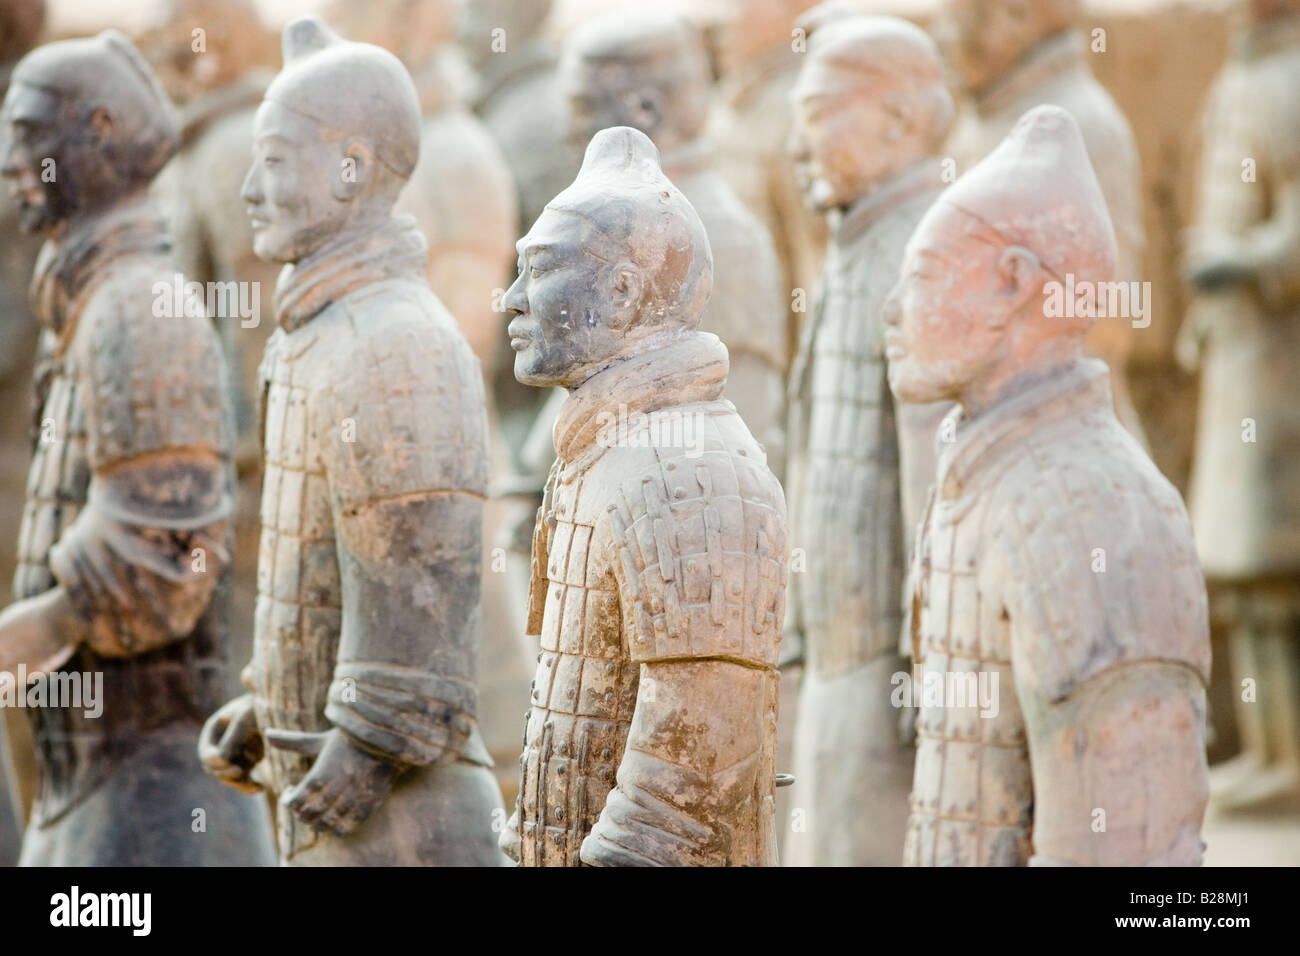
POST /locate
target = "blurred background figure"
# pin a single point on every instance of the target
(1243, 331)
(871, 113)
(757, 52)
(1012, 55)
(650, 72)
(214, 59)
(20, 25)
(515, 96)
(462, 195)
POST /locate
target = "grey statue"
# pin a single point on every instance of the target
(125, 538)
(361, 717)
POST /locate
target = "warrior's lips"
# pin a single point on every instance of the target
(520, 342)
(893, 350)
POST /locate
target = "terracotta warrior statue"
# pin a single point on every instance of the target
(871, 112)
(659, 557)
(361, 721)
(757, 52)
(1011, 55)
(20, 25)
(1243, 265)
(125, 536)
(1059, 616)
(650, 71)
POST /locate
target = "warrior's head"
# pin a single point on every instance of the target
(334, 141)
(615, 264)
(970, 312)
(88, 124)
(649, 71)
(870, 101)
(982, 39)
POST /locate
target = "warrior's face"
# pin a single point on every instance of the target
(598, 99)
(571, 303)
(840, 142)
(40, 159)
(298, 189)
(601, 95)
(948, 317)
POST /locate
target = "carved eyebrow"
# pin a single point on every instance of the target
(274, 139)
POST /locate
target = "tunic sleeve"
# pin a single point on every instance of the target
(144, 555)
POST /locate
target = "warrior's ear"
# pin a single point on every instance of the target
(100, 125)
(625, 294)
(1019, 280)
(356, 166)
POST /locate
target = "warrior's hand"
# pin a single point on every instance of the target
(343, 788)
(40, 633)
(1214, 262)
(230, 744)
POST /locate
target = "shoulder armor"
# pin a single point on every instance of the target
(405, 410)
(702, 555)
(154, 382)
(1102, 566)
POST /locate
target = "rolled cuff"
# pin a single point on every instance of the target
(410, 716)
(140, 580)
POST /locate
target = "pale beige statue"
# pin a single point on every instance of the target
(1011, 55)
(1243, 330)
(871, 113)
(757, 52)
(215, 59)
(659, 556)
(462, 191)
(1059, 613)
(650, 71)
